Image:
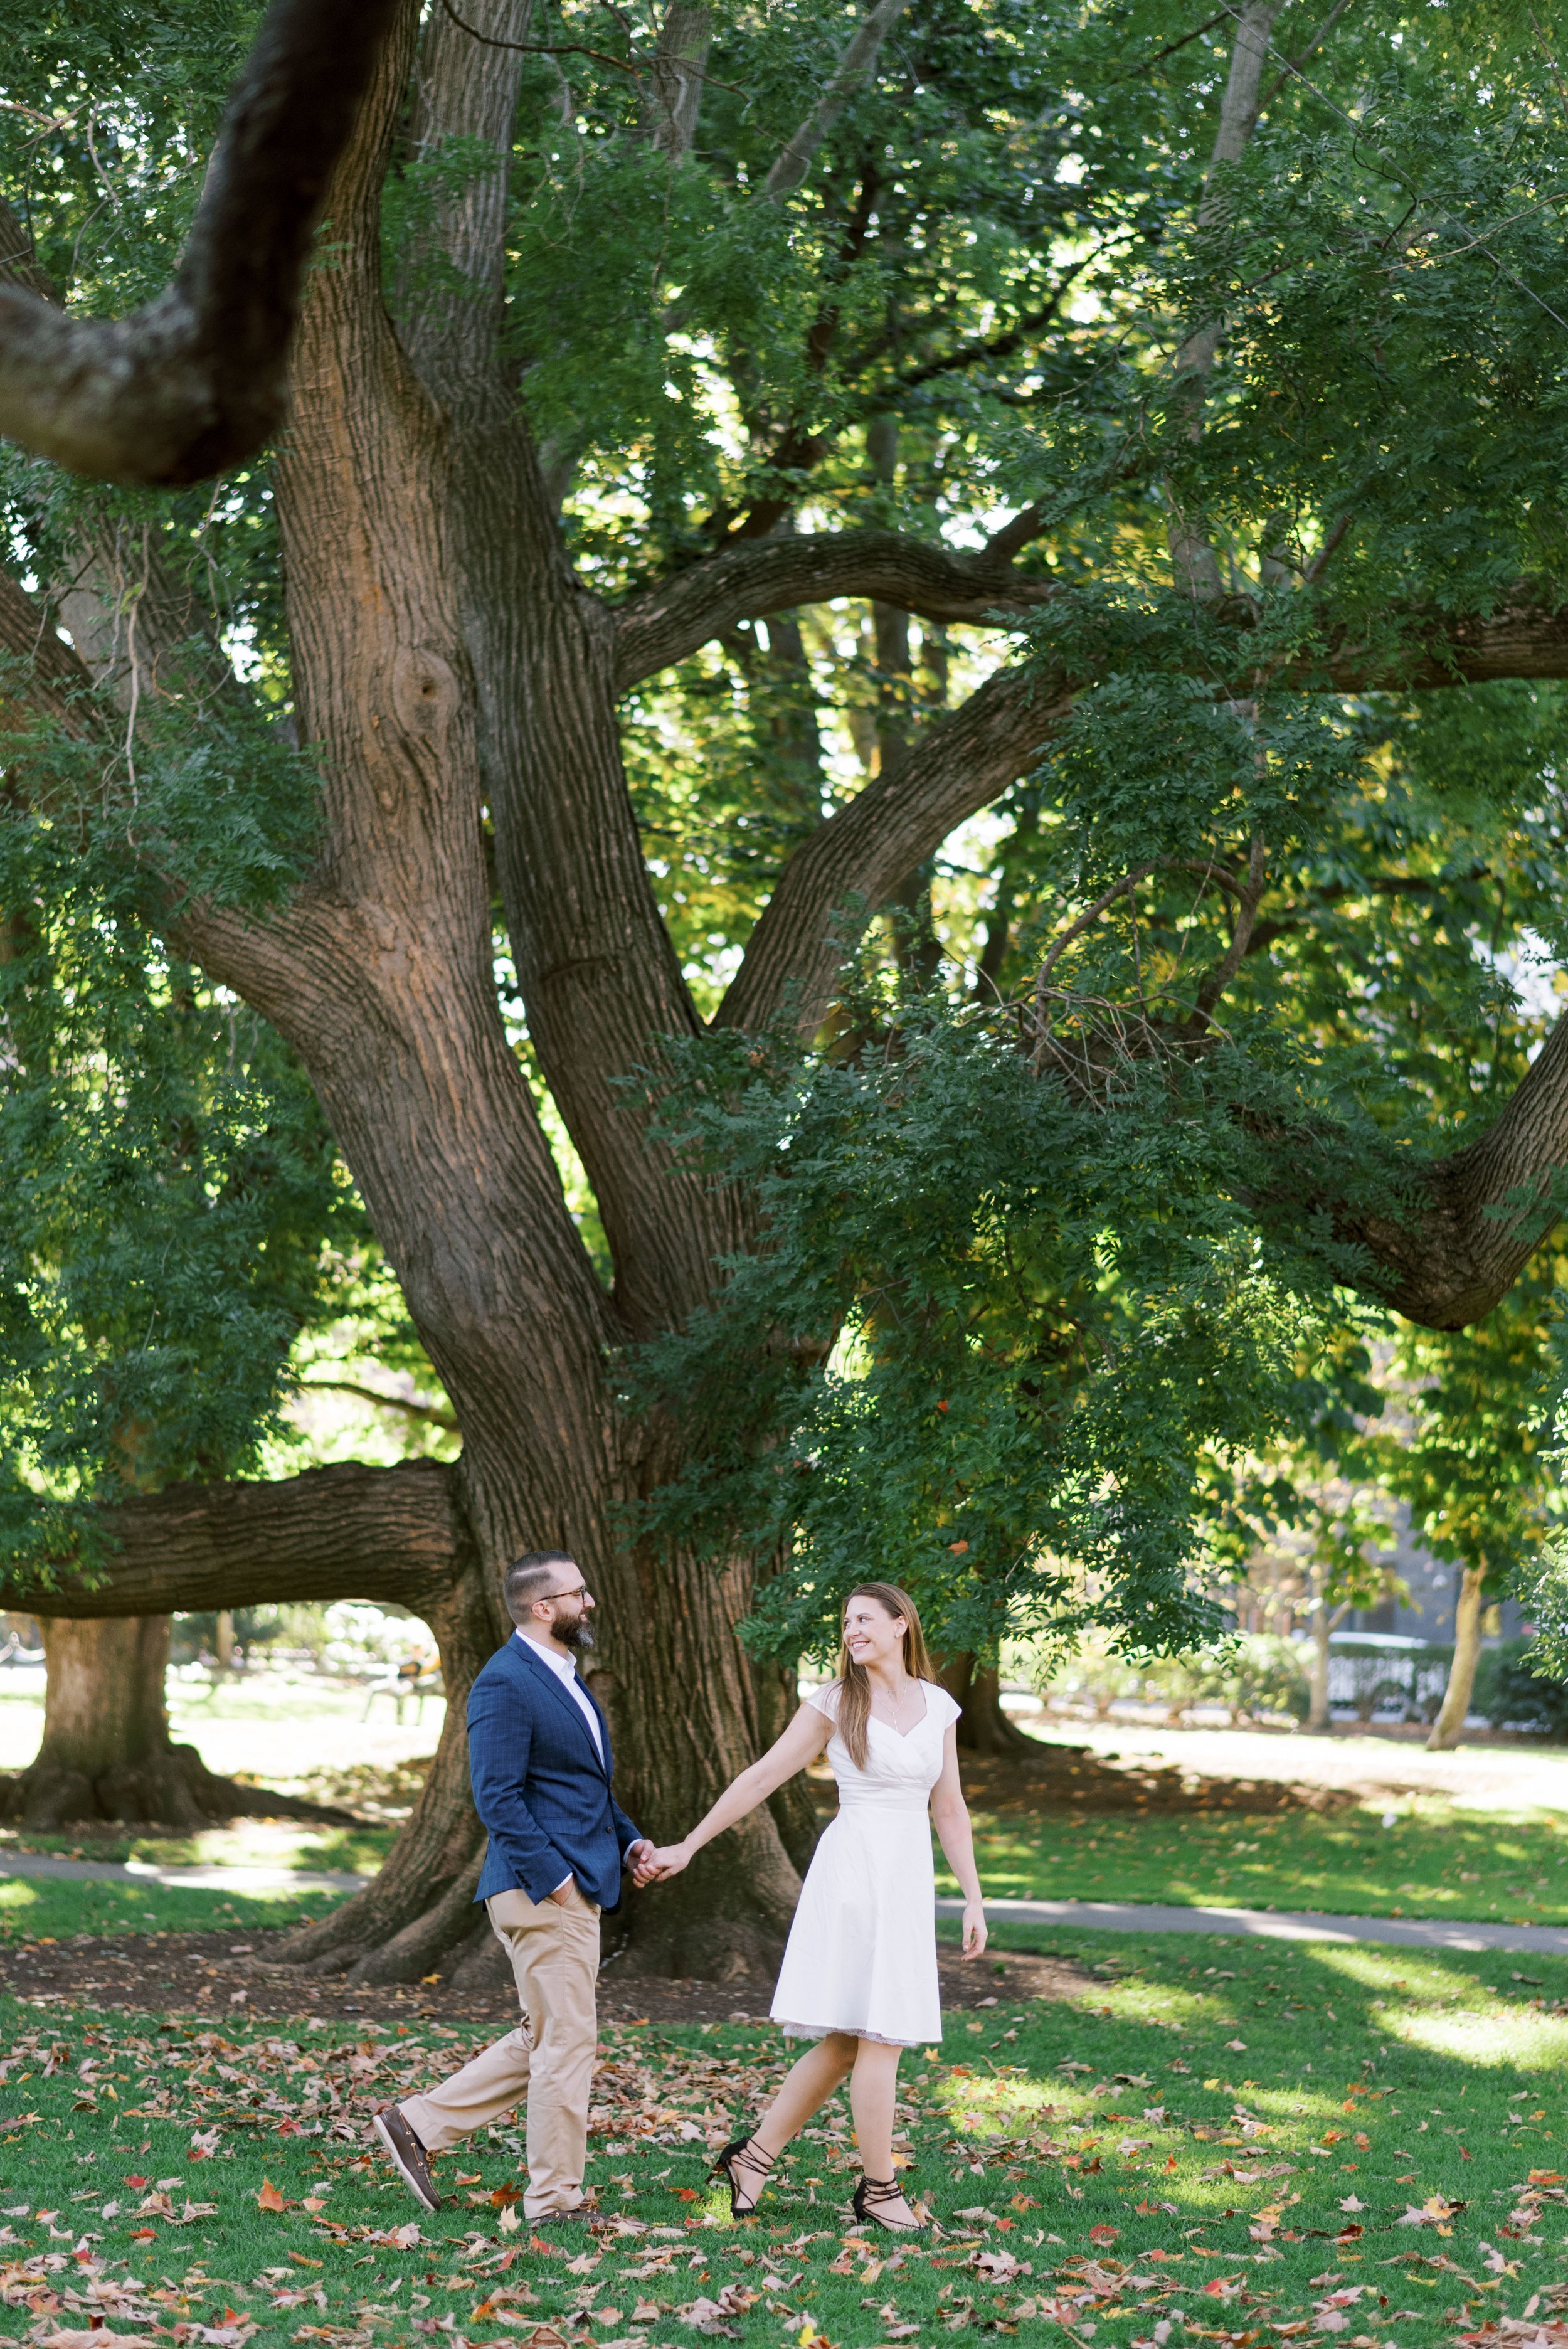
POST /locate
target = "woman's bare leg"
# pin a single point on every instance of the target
(806, 2087)
(873, 2087)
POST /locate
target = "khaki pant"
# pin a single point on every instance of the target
(554, 1951)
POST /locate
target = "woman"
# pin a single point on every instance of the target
(858, 1977)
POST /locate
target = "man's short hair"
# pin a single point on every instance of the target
(532, 1576)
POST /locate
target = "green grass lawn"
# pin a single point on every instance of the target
(41, 1908)
(1211, 2141)
(1433, 1860)
(248, 1843)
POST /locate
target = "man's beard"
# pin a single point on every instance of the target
(573, 1631)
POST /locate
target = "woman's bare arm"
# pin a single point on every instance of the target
(951, 1814)
(801, 1742)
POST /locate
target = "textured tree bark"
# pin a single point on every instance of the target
(983, 1726)
(1449, 1727)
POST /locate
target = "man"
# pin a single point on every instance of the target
(539, 1762)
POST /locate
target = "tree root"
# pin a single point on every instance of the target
(170, 1788)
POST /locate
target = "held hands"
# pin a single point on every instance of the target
(639, 1859)
(656, 1865)
(974, 1928)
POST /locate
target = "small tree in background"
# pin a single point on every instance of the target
(1476, 1468)
(171, 1211)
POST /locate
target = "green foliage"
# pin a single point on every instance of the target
(994, 1339)
(1514, 1688)
(169, 1201)
(1052, 1341)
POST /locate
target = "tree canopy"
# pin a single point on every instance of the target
(887, 732)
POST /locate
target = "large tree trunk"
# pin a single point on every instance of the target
(431, 612)
(1449, 1726)
(107, 1750)
(983, 1726)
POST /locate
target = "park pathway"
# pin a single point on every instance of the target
(1097, 1916)
(1273, 1925)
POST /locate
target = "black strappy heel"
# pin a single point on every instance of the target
(872, 2190)
(756, 2159)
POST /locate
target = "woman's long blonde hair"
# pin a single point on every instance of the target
(854, 1686)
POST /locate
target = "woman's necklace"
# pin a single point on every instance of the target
(897, 1706)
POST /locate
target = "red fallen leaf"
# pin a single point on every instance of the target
(1348, 2234)
(688, 2194)
(1464, 2156)
(233, 2316)
(136, 2181)
(942, 1406)
(1105, 2234)
(143, 2235)
(269, 2199)
(1161, 2255)
(502, 2196)
(1545, 2178)
(290, 2128)
(959, 1549)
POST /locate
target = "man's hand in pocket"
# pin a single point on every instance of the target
(563, 1892)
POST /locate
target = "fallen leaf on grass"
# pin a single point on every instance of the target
(269, 2199)
(706, 2316)
(1522, 2332)
(1433, 2212)
(1001, 2267)
(101, 2340)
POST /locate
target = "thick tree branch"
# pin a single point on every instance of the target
(1485, 1209)
(964, 760)
(196, 381)
(397, 1535)
(854, 68)
(666, 622)
(1193, 558)
(684, 38)
(956, 766)
(1524, 637)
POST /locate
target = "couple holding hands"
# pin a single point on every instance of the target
(858, 1977)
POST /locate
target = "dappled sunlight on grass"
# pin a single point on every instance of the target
(1527, 2041)
(1299, 2152)
(1431, 1859)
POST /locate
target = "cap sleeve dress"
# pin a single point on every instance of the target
(862, 1953)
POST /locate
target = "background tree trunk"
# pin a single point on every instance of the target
(983, 1726)
(1317, 1717)
(107, 1750)
(1449, 1726)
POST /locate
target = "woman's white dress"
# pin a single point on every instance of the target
(862, 1953)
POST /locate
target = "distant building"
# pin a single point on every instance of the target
(1428, 1613)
